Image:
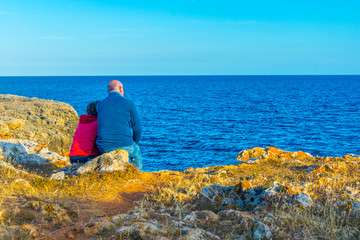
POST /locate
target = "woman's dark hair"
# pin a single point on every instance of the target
(91, 108)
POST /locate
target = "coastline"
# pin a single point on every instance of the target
(270, 193)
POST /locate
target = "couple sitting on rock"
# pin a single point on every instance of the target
(107, 127)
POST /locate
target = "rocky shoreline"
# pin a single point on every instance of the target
(270, 194)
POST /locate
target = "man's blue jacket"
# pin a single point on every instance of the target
(117, 116)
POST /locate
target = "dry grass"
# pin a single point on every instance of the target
(90, 186)
(288, 221)
(181, 193)
(80, 196)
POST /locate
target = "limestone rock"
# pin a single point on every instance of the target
(30, 230)
(202, 216)
(255, 154)
(245, 195)
(190, 218)
(58, 176)
(141, 230)
(27, 152)
(212, 191)
(117, 219)
(97, 227)
(116, 160)
(304, 201)
(351, 206)
(50, 211)
(351, 191)
(259, 230)
(47, 122)
(235, 215)
(200, 234)
(22, 183)
(335, 167)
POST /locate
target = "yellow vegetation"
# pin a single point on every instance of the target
(324, 179)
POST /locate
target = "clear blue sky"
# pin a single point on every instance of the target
(170, 37)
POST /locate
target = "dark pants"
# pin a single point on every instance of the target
(81, 159)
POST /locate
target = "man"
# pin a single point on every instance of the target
(117, 116)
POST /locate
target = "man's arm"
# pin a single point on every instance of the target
(135, 123)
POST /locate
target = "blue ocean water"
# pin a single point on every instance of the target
(196, 121)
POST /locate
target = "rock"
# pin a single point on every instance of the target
(118, 219)
(70, 235)
(50, 211)
(27, 152)
(66, 232)
(58, 176)
(117, 160)
(97, 227)
(206, 216)
(177, 224)
(334, 167)
(351, 206)
(245, 195)
(34, 204)
(30, 230)
(2, 213)
(235, 215)
(351, 191)
(22, 183)
(259, 230)
(255, 154)
(190, 218)
(140, 215)
(200, 234)
(54, 211)
(304, 201)
(144, 230)
(212, 191)
(47, 122)
(236, 196)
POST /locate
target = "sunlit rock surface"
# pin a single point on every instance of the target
(29, 153)
(50, 211)
(116, 160)
(46, 122)
(256, 154)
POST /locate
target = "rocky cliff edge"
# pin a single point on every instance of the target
(45, 122)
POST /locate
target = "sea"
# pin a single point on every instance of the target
(198, 121)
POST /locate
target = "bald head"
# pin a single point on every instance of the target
(115, 85)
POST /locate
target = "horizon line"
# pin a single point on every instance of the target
(168, 75)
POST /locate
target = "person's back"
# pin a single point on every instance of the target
(83, 147)
(118, 124)
(115, 122)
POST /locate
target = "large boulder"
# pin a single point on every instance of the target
(30, 154)
(46, 122)
(117, 160)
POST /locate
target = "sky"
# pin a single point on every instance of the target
(187, 37)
